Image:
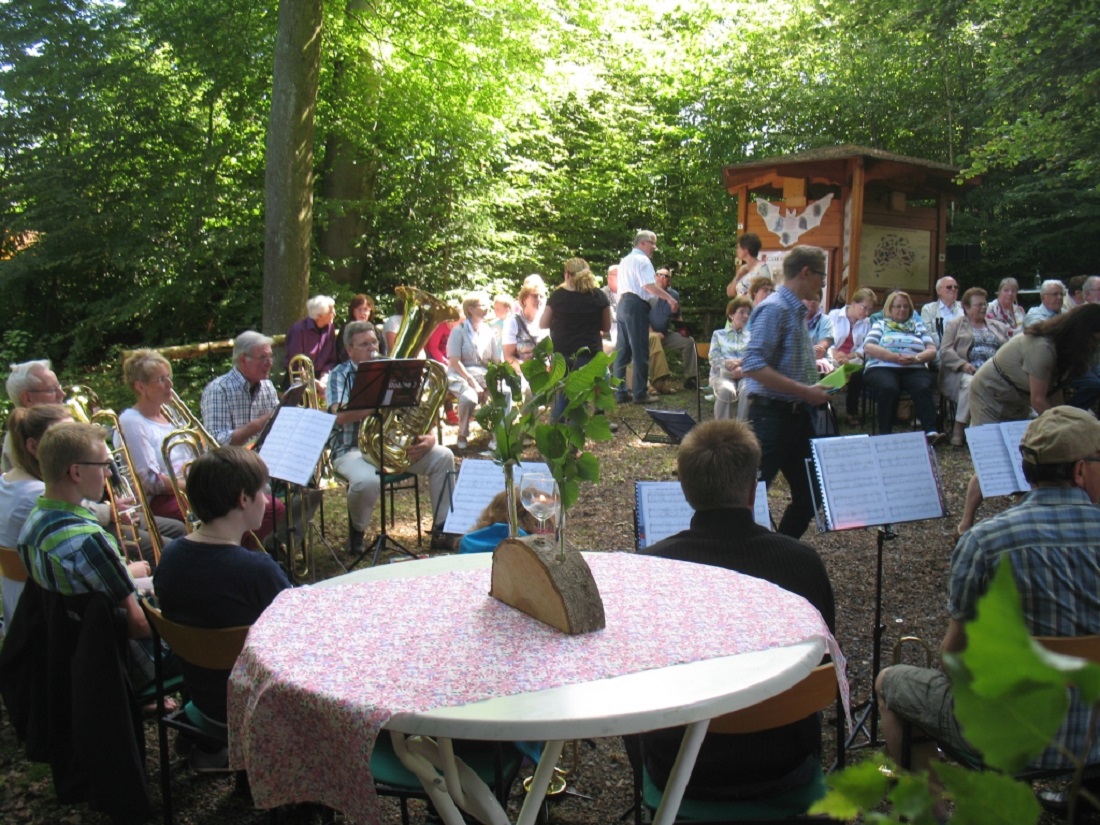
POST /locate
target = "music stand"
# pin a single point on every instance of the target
(901, 483)
(676, 424)
(379, 386)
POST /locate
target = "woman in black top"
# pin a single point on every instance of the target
(577, 315)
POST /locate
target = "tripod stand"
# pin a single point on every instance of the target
(383, 541)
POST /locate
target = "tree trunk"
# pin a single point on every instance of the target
(288, 195)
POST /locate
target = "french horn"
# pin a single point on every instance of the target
(402, 426)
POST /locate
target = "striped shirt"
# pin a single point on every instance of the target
(229, 402)
(779, 340)
(1052, 538)
(66, 551)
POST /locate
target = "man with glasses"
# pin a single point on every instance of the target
(939, 313)
(426, 457)
(62, 545)
(1052, 294)
(236, 406)
(1052, 538)
(30, 383)
(780, 382)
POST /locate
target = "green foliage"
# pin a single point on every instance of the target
(1010, 697)
(560, 443)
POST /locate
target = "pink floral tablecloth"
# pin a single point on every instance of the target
(324, 668)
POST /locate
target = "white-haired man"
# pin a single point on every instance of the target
(945, 309)
(1052, 294)
(29, 384)
(426, 457)
(235, 406)
(315, 336)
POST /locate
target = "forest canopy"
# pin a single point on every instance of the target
(460, 144)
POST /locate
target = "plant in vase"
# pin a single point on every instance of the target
(562, 445)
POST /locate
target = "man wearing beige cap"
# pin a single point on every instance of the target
(1052, 538)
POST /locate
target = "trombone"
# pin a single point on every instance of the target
(128, 503)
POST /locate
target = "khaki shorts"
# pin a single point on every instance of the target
(923, 696)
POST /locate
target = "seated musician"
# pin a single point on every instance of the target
(237, 405)
(63, 547)
(315, 336)
(427, 457)
(208, 579)
(718, 462)
(145, 426)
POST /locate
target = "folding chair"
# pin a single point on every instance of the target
(211, 648)
(814, 693)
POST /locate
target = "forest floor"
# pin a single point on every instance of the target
(915, 568)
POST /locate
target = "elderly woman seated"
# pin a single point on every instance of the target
(898, 349)
(522, 330)
(968, 342)
(471, 347)
(727, 348)
(315, 336)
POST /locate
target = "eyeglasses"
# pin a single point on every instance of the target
(266, 359)
(55, 390)
(952, 287)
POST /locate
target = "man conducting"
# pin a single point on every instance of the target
(717, 465)
(780, 374)
(427, 457)
(1052, 538)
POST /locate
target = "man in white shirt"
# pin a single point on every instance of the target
(947, 308)
(638, 288)
(1052, 294)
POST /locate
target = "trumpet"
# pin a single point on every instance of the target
(125, 496)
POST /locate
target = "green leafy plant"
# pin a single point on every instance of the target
(1011, 695)
(562, 444)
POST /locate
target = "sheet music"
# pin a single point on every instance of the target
(478, 481)
(293, 445)
(663, 511)
(995, 453)
(872, 480)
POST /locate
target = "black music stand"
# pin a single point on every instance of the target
(379, 386)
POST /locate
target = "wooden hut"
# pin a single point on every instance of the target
(882, 218)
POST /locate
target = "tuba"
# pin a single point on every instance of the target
(125, 495)
(402, 426)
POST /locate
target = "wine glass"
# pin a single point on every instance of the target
(538, 493)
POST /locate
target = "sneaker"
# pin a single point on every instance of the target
(444, 542)
(203, 762)
(461, 443)
(690, 384)
(626, 399)
(613, 426)
(648, 399)
(708, 397)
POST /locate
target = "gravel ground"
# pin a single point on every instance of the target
(915, 566)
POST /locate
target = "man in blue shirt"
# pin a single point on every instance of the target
(780, 378)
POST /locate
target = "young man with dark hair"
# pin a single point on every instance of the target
(717, 465)
(207, 579)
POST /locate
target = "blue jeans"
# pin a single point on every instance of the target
(784, 431)
(1086, 389)
(633, 345)
(560, 401)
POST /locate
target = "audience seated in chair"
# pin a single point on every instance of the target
(1051, 539)
(491, 527)
(727, 348)
(717, 464)
(662, 323)
(208, 579)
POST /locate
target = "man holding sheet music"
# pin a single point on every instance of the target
(717, 464)
(780, 378)
(427, 457)
(1052, 538)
